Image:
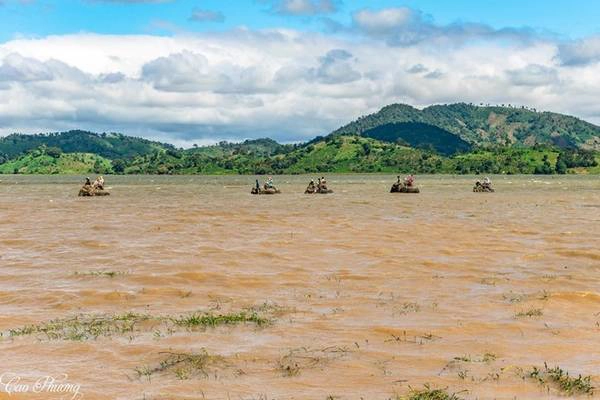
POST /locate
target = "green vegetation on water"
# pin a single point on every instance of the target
(427, 393)
(211, 320)
(561, 380)
(91, 327)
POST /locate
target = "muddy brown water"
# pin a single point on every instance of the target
(369, 292)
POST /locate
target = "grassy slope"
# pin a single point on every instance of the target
(356, 154)
(339, 154)
(348, 154)
(72, 163)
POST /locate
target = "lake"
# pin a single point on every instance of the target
(360, 293)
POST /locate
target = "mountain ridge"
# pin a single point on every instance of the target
(456, 138)
(484, 126)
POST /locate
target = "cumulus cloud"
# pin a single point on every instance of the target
(199, 15)
(304, 7)
(580, 52)
(434, 75)
(383, 21)
(533, 75)
(16, 68)
(286, 84)
(335, 67)
(417, 69)
(403, 26)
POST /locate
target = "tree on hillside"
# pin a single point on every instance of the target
(118, 166)
(561, 165)
(54, 152)
(545, 168)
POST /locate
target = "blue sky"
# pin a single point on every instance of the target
(568, 18)
(200, 71)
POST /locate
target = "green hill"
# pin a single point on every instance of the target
(456, 138)
(108, 145)
(340, 154)
(331, 154)
(48, 161)
(351, 153)
(476, 125)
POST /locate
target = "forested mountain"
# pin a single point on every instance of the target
(109, 145)
(479, 126)
(457, 138)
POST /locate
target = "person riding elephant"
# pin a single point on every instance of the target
(269, 183)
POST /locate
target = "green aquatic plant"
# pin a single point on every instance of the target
(184, 365)
(512, 297)
(108, 274)
(417, 339)
(83, 327)
(427, 393)
(212, 320)
(561, 379)
(297, 360)
(86, 327)
(534, 312)
(486, 358)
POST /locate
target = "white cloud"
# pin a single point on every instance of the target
(403, 26)
(285, 84)
(580, 52)
(533, 75)
(304, 7)
(382, 21)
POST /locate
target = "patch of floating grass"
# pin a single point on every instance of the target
(212, 320)
(270, 308)
(302, 358)
(486, 358)
(183, 365)
(409, 307)
(83, 327)
(427, 393)
(417, 339)
(106, 274)
(460, 360)
(561, 379)
(86, 327)
(512, 297)
(533, 312)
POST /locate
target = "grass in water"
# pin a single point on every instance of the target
(303, 358)
(486, 358)
(184, 365)
(86, 327)
(512, 297)
(83, 327)
(211, 320)
(562, 380)
(534, 312)
(427, 393)
(107, 274)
